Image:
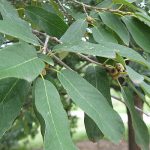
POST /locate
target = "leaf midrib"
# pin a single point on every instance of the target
(110, 128)
(18, 65)
(16, 34)
(53, 122)
(46, 21)
(9, 91)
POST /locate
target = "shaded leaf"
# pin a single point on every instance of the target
(139, 31)
(138, 79)
(48, 103)
(146, 88)
(99, 79)
(114, 22)
(12, 95)
(140, 129)
(127, 3)
(105, 4)
(56, 8)
(76, 14)
(134, 76)
(138, 92)
(14, 26)
(20, 61)
(93, 132)
(7, 10)
(48, 22)
(46, 59)
(93, 103)
(120, 59)
(143, 17)
(102, 35)
(75, 32)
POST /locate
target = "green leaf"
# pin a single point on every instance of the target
(2, 39)
(75, 32)
(120, 59)
(100, 34)
(103, 49)
(105, 4)
(143, 17)
(56, 8)
(20, 61)
(147, 78)
(138, 79)
(18, 29)
(140, 129)
(12, 25)
(93, 132)
(114, 22)
(7, 10)
(134, 76)
(48, 103)
(75, 13)
(48, 22)
(99, 79)
(93, 103)
(139, 31)
(86, 48)
(46, 59)
(12, 95)
(146, 88)
(127, 3)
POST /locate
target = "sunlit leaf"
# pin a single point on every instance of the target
(48, 104)
(94, 104)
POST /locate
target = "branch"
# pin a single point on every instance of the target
(61, 62)
(103, 9)
(63, 9)
(88, 59)
(137, 108)
(61, 6)
(103, 65)
(46, 44)
(45, 48)
(85, 10)
(52, 38)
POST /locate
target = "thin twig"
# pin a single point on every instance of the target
(38, 32)
(46, 44)
(84, 9)
(62, 7)
(103, 9)
(55, 39)
(53, 55)
(82, 66)
(88, 59)
(61, 62)
(137, 108)
(52, 38)
(60, 42)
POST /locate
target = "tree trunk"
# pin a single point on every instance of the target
(131, 136)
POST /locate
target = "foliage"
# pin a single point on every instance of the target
(56, 52)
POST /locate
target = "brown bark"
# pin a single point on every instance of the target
(131, 136)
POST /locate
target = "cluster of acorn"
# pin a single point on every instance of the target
(117, 71)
